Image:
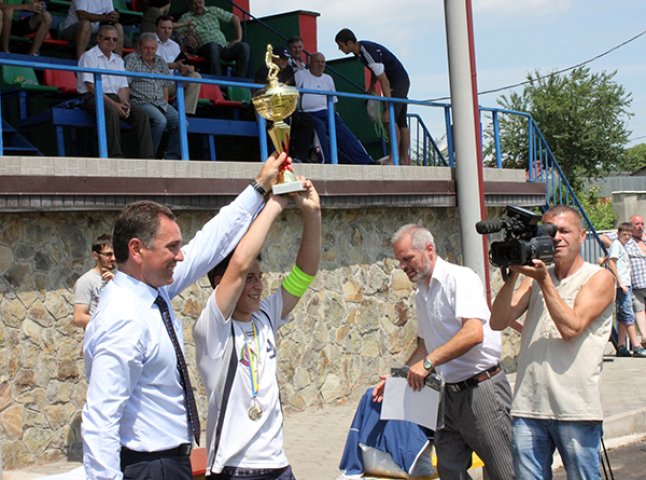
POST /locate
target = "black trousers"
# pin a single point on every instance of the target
(138, 119)
(145, 466)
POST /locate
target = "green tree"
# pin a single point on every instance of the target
(582, 116)
(599, 209)
(635, 157)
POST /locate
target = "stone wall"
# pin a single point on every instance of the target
(354, 323)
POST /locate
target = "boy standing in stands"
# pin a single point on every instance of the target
(619, 265)
(39, 22)
(235, 341)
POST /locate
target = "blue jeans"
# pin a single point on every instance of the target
(624, 303)
(345, 139)
(534, 441)
(161, 122)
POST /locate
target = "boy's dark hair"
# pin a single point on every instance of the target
(625, 227)
(344, 36)
(220, 268)
(102, 241)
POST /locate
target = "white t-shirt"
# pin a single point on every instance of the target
(618, 252)
(243, 442)
(87, 289)
(454, 293)
(311, 102)
(94, 58)
(99, 7)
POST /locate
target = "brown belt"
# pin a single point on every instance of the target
(475, 380)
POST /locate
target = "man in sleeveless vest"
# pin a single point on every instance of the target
(557, 401)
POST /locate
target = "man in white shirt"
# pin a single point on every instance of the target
(456, 340)
(140, 416)
(88, 287)
(83, 20)
(115, 95)
(169, 50)
(315, 106)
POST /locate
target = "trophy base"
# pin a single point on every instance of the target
(288, 187)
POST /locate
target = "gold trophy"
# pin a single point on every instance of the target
(275, 102)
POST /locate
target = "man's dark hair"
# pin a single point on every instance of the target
(163, 18)
(102, 241)
(220, 268)
(294, 39)
(137, 220)
(344, 36)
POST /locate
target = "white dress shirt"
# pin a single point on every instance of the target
(134, 396)
(455, 293)
(94, 58)
(168, 50)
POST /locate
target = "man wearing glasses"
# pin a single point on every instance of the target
(115, 95)
(87, 289)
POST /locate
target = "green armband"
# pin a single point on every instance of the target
(297, 282)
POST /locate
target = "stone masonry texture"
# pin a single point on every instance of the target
(356, 321)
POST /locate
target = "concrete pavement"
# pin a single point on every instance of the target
(314, 439)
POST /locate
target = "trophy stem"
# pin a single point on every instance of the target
(279, 133)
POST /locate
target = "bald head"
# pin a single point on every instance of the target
(317, 64)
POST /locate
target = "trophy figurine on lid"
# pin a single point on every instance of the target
(275, 102)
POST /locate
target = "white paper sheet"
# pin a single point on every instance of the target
(403, 403)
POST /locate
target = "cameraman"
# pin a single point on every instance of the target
(557, 401)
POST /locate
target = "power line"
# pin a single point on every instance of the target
(519, 84)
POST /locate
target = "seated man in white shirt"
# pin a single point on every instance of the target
(84, 19)
(236, 349)
(170, 51)
(115, 95)
(316, 106)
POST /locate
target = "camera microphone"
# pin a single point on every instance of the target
(484, 227)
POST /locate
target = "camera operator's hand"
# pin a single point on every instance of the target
(538, 271)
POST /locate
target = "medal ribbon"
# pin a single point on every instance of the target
(253, 362)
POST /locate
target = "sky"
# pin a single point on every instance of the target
(512, 38)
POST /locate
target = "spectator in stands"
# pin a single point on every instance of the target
(38, 22)
(206, 35)
(115, 94)
(295, 45)
(154, 10)
(87, 288)
(151, 94)
(391, 75)
(84, 19)
(170, 51)
(302, 133)
(316, 106)
(619, 266)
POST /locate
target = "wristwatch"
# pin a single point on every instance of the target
(428, 365)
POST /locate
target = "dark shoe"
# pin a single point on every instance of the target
(622, 351)
(639, 352)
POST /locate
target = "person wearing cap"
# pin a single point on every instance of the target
(302, 133)
(286, 73)
(235, 345)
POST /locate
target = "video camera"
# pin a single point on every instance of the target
(525, 240)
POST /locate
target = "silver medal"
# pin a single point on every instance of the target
(255, 411)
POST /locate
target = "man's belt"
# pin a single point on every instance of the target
(183, 450)
(473, 381)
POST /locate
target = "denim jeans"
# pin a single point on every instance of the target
(534, 441)
(159, 123)
(624, 303)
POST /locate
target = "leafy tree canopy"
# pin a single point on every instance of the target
(582, 116)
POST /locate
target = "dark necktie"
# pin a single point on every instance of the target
(191, 407)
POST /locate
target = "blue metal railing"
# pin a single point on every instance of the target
(179, 80)
(543, 167)
(424, 151)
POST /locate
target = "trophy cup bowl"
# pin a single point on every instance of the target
(275, 102)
